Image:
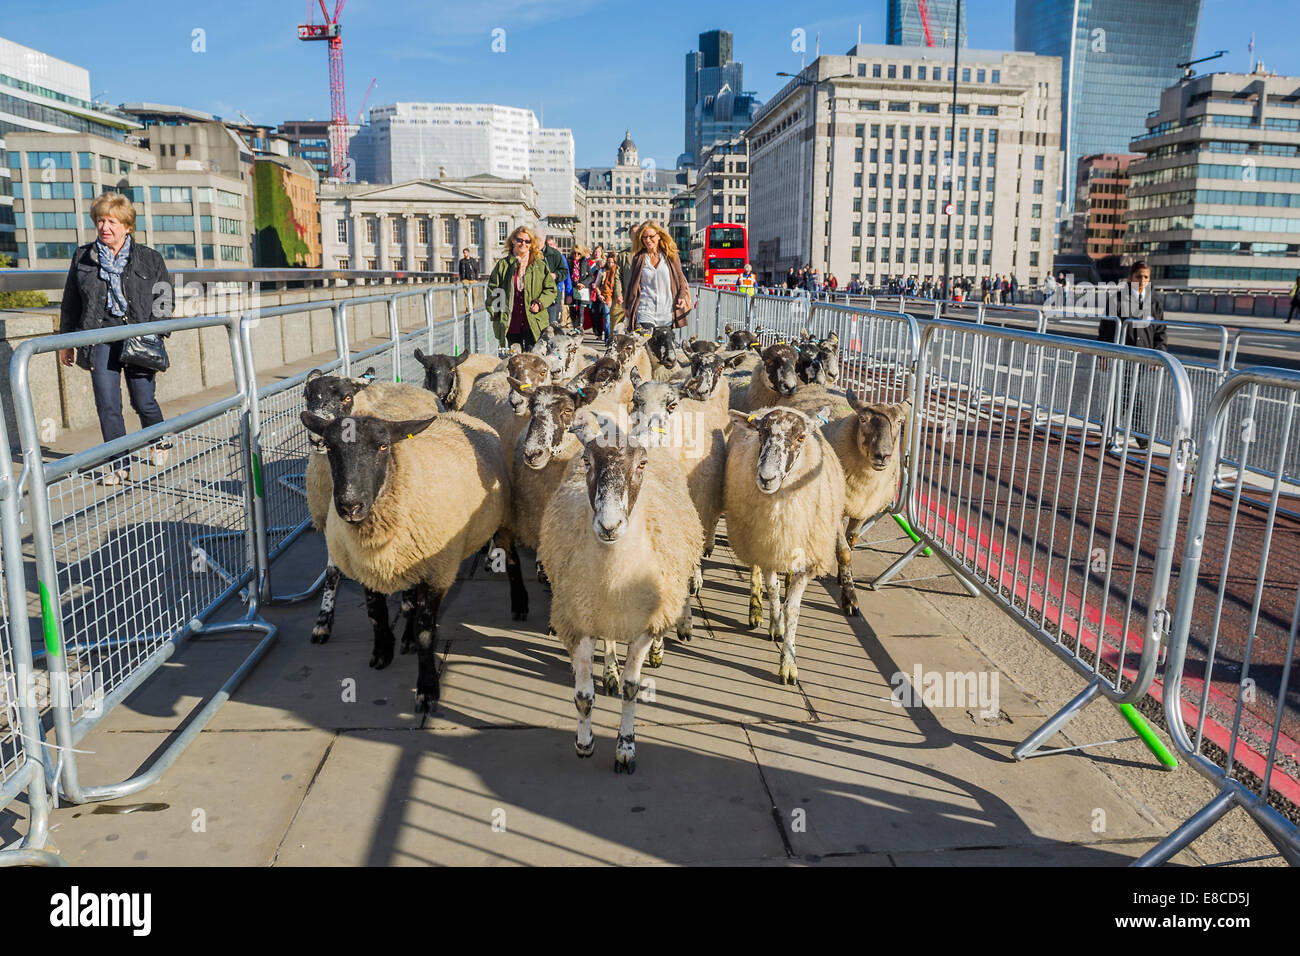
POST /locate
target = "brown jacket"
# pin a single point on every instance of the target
(680, 288)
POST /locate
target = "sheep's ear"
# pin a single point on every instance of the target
(832, 340)
(581, 392)
(902, 411)
(733, 359)
(823, 417)
(368, 376)
(692, 340)
(855, 403)
(423, 359)
(728, 328)
(457, 360)
(744, 419)
(314, 422)
(408, 429)
(314, 374)
(635, 377)
(584, 426)
(519, 385)
(804, 336)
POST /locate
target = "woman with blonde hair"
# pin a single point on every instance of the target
(520, 290)
(116, 281)
(657, 294)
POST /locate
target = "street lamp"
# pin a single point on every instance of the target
(950, 208)
(801, 80)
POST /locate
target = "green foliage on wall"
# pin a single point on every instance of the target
(280, 240)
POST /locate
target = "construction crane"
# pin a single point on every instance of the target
(1187, 67)
(925, 22)
(366, 99)
(331, 31)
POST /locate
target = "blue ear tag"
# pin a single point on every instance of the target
(825, 420)
(578, 389)
(369, 376)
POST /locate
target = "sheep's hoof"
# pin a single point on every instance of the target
(708, 552)
(584, 750)
(684, 631)
(320, 634)
(697, 582)
(755, 615)
(656, 655)
(789, 673)
(381, 659)
(426, 702)
(625, 754)
(851, 610)
(611, 683)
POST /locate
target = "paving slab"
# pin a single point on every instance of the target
(499, 796)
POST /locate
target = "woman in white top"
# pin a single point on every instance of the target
(657, 293)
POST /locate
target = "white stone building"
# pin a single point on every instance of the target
(625, 194)
(861, 190)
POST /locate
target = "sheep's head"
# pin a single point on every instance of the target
(703, 346)
(653, 406)
(663, 347)
(552, 408)
(525, 371)
(564, 348)
(879, 427)
(741, 339)
(783, 434)
(707, 369)
(615, 465)
(819, 361)
(781, 362)
(360, 452)
(331, 396)
(623, 348)
(440, 374)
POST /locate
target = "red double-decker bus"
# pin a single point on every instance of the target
(726, 250)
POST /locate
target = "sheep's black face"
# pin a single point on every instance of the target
(525, 372)
(742, 339)
(782, 435)
(663, 348)
(360, 455)
(615, 467)
(597, 377)
(552, 408)
(330, 396)
(703, 346)
(781, 363)
(440, 374)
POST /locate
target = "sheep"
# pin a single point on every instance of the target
(625, 578)
(666, 356)
(775, 378)
(630, 349)
(501, 398)
(336, 396)
(566, 350)
(413, 499)
(451, 377)
(794, 527)
(819, 360)
(697, 344)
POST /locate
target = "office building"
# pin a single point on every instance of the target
(626, 194)
(1215, 198)
(309, 140)
(681, 226)
(718, 108)
(852, 174)
(40, 93)
(922, 23)
(1100, 202)
(1116, 58)
(722, 185)
(407, 141)
(422, 225)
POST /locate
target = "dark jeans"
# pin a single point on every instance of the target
(525, 339)
(600, 319)
(1295, 307)
(106, 382)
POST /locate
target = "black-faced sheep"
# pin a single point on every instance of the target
(451, 377)
(794, 525)
(413, 499)
(620, 541)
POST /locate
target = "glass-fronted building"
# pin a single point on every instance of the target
(1117, 57)
(905, 26)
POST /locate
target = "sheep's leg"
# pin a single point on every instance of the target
(710, 538)
(408, 630)
(776, 623)
(542, 579)
(684, 630)
(854, 531)
(789, 672)
(324, 626)
(377, 609)
(655, 656)
(426, 618)
(584, 695)
(848, 593)
(625, 749)
(755, 597)
(697, 581)
(514, 574)
(612, 676)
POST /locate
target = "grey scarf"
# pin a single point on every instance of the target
(110, 270)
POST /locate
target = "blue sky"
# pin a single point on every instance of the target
(595, 66)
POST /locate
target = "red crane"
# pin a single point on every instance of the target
(925, 22)
(332, 32)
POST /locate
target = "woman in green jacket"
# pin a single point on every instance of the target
(520, 290)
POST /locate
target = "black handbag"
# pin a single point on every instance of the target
(145, 351)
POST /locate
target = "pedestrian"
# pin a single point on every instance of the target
(116, 281)
(1295, 301)
(792, 279)
(747, 281)
(580, 277)
(984, 290)
(1137, 302)
(657, 293)
(1049, 290)
(1014, 287)
(466, 268)
(559, 268)
(520, 291)
(610, 289)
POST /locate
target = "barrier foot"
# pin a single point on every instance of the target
(1144, 731)
(1034, 741)
(888, 574)
(28, 857)
(907, 529)
(311, 591)
(1196, 825)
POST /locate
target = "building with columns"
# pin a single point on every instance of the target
(627, 194)
(423, 224)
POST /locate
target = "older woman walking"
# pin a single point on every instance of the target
(520, 290)
(657, 294)
(116, 281)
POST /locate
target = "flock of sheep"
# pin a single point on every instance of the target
(615, 468)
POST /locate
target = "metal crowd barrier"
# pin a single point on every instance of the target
(1225, 701)
(1076, 548)
(122, 580)
(22, 741)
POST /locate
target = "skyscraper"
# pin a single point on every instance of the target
(1117, 57)
(717, 106)
(907, 23)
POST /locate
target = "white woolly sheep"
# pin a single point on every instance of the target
(629, 349)
(794, 526)
(619, 540)
(501, 398)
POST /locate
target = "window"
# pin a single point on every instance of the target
(868, 104)
(1034, 233)
(857, 155)
(986, 111)
(85, 160)
(370, 229)
(871, 205)
(857, 229)
(205, 194)
(979, 76)
(106, 164)
(987, 257)
(123, 167)
(857, 204)
(397, 229)
(1038, 187)
(884, 230)
(1033, 259)
(988, 233)
(907, 72)
(888, 206)
(916, 230)
(990, 159)
(169, 193)
(961, 208)
(51, 220)
(87, 189)
(952, 74)
(173, 223)
(860, 130)
(929, 230)
(446, 230)
(1038, 161)
(931, 182)
(51, 190)
(232, 254)
(373, 264)
(975, 183)
(965, 74)
(871, 229)
(889, 132)
(916, 181)
(52, 250)
(1037, 211)
(875, 155)
(207, 251)
(962, 109)
(856, 254)
(961, 156)
(205, 223)
(228, 199)
(929, 255)
(900, 108)
(175, 250)
(920, 73)
(875, 70)
(230, 227)
(997, 76)
(344, 262)
(862, 69)
(929, 108)
(875, 129)
(892, 69)
(45, 160)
